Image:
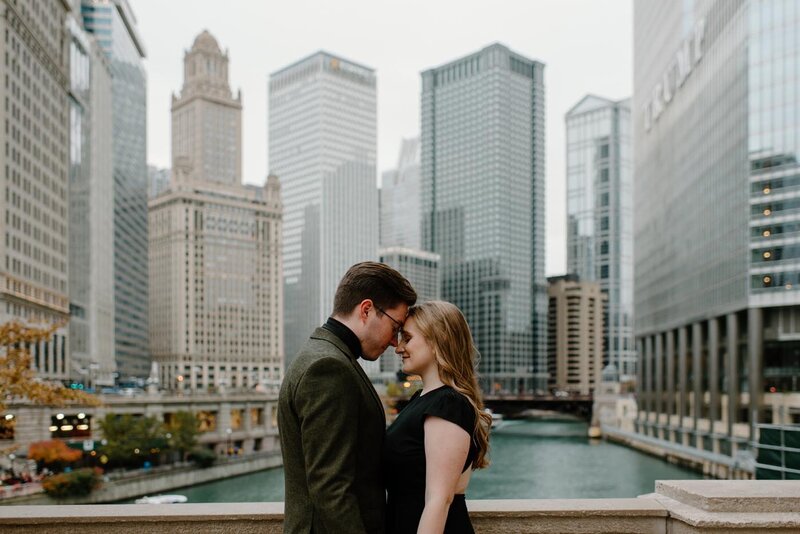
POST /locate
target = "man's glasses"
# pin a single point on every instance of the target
(398, 326)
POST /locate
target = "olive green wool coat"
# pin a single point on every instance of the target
(332, 425)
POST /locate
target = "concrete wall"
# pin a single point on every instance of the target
(159, 482)
(677, 507)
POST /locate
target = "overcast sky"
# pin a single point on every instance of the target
(586, 46)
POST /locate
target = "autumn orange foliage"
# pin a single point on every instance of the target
(53, 452)
(18, 381)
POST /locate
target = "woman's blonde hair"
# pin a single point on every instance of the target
(444, 328)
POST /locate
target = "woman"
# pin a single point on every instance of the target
(443, 433)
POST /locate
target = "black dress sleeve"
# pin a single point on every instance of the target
(452, 406)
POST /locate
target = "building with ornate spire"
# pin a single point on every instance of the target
(206, 118)
(216, 272)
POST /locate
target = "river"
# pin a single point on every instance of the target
(530, 460)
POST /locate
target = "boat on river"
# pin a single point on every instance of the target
(162, 499)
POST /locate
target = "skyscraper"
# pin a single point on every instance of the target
(114, 25)
(206, 119)
(482, 159)
(157, 180)
(715, 118)
(215, 246)
(574, 334)
(91, 211)
(421, 269)
(35, 134)
(322, 143)
(600, 216)
(400, 200)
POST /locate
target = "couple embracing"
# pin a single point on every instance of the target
(345, 471)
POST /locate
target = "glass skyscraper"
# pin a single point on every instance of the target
(600, 216)
(400, 200)
(91, 212)
(114, 25)
(716, 118)
(482, 161)
(322, 145)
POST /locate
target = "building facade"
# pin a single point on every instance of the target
(91, 211)
(600, 216)
(482, 169)
(157, 180)
(322, 144)
(206, 119)
(401, 222)
(215, 257)
(715, 116)
(421, 269)
(34, 282)
(114, 25)
(245, 421)
(574, 334)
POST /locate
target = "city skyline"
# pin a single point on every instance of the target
(262, 42)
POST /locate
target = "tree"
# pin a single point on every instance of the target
(19, 381)
(183, 429)
(53, 454)
(129, 440)
(73, 484)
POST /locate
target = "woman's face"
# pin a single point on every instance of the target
(414, 349)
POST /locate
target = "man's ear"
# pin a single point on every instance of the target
(364, 308)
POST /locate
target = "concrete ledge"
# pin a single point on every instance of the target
(491, 517)
(249, 518)
(759, 496)
(680, 507)
(551, 516)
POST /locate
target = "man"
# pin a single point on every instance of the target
(330, 418)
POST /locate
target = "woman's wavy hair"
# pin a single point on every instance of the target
(444, 328)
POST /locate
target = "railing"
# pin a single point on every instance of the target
(696, 506)
(778, 449)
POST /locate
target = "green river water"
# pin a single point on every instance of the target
(530, 460)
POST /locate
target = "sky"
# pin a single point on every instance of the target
(586, 45)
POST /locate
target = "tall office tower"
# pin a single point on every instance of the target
(322, 143)
(400, 200)
(157, 180)
(91, 211)
(206, 119)
(715, 118)
(216, 305)
(483, 206)
(114, 25)
(35, 171)
(600, 216)
(574, 334)
(422, 270)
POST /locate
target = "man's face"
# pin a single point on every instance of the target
(382, 328)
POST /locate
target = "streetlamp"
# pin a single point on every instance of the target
(228, 431)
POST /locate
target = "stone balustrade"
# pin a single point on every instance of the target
(677, 507)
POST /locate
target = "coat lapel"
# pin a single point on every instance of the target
(330, 337)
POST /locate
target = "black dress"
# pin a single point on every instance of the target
(404, 460)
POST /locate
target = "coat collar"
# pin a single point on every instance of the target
(326, 335)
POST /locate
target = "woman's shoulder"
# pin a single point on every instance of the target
(447, 403)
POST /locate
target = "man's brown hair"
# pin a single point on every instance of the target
(385, 286)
